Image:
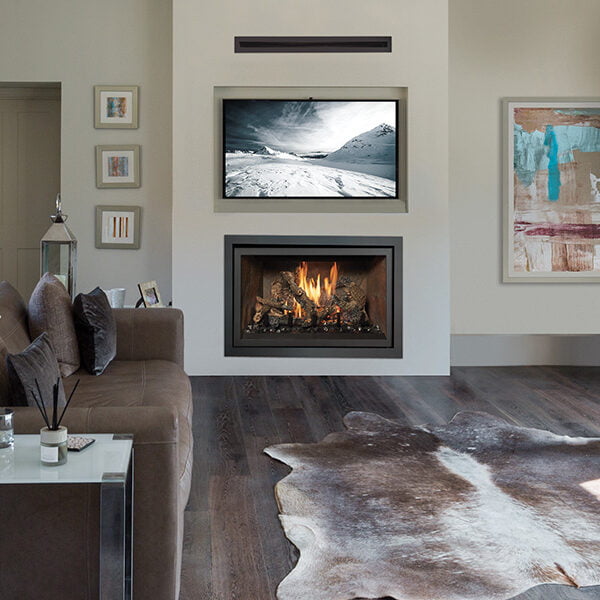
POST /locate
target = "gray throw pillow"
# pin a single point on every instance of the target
(50, 310)
(96, 330)
(3, 374)
(36, 362)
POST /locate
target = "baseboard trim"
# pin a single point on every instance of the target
(511, 350)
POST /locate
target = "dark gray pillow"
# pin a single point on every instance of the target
(4, 397)
(96, 330)
(36, 362)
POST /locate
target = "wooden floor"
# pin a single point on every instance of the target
(234, 546)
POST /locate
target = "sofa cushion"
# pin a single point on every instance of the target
(37, 363)
(50, 310)
(13, 319)
(14, 334)
(96, 330)
(142, 383)
(3, 374)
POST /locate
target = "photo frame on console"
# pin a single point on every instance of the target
(150, 294)
(315, 150)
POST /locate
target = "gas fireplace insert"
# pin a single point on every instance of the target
(319, 296)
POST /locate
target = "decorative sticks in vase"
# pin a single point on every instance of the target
(53, 437)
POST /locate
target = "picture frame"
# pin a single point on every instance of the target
(551, 190)
(116, 106)
(118, 227)
(118, 166)
(150, 294)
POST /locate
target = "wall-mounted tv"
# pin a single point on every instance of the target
(310, 149)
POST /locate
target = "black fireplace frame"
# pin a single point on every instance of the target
(238, 245)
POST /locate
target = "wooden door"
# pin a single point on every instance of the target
(29, 179)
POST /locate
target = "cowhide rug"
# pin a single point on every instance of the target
(475, 510)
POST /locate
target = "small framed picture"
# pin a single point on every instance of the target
(118, 166)
(150, 294)
(118, 227)
(116, 107)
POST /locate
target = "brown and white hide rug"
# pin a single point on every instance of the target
(474, 510)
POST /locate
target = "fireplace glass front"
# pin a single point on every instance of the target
(313, 296)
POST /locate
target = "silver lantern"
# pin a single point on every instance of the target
(59, 250)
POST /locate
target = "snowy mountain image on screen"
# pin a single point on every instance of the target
(377, 146)
(298, 150)
(266, 151)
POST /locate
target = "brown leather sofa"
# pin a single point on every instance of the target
(49, 536)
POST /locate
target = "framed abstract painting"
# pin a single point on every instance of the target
(118, 227)
(116, 106)
(552, 190)
(118, 166)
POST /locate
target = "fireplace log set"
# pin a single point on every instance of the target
(290, 309)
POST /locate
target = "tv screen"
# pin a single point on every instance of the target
(310, 148)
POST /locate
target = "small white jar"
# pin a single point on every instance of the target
(53, 446)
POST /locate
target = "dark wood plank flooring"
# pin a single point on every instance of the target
(234, 547)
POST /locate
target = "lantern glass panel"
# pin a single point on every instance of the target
(57, 260)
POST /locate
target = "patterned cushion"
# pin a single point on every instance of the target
(96, 330)
(50, 310)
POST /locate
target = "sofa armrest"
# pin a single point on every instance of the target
(156, 473)
(149, 334)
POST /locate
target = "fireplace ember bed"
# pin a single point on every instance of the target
(320, 296)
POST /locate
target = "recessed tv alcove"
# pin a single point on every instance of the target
(313, 296)
(317, 149)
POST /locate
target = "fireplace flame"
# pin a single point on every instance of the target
(319, 292)
(297, 310)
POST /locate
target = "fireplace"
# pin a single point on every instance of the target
(319, 296)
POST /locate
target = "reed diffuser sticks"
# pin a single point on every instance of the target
(52, 421)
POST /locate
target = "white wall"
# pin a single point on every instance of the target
(111, 42)
(500, 49)
(203, 57)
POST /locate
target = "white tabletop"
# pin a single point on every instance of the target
(21, 464)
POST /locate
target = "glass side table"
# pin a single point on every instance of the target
(108, 462)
